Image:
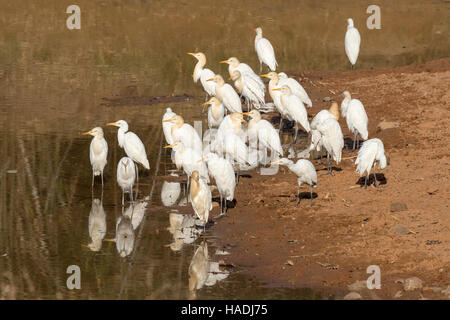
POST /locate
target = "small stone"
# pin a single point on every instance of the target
(398, 294)
(353, 296)
(384, 125)
(327, 99)
(412, 284)
(397, 206)
(11, 171)
(432, 191)
(358, 286)
(289, 262)
(399, 230)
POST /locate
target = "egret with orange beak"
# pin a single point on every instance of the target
(98, 152)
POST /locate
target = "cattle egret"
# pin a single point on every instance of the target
(249, 88)
(316, 137)
(200, 197)
(98, 152)
(216, 112)
(264, 132)
(223, 173)
(227, 94)
(133, 146)
(295, 109)
(243, 68)
(305, 171)
(371, 153)
(332, 140)
(276, 94)
(202, 73)
(265, 51)
(295, 87)
(167, 125)
(356, 117)
(126, 174)
(185, 133)
(352, 42)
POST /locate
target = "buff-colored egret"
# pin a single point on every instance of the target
(295, 109)
(356, 117)
(276, 94)
(371, 153)
(126, 175)
(167, 125)
(185, 133)
(332, 140)
(265, 133)
(295, 87)
(198, 269)
(223, 173)
(97, 225)
(202, 73)
(189, 159)
(124, 236)
(249, 88)
(265, 51)
(216, 112)
(200, 197)
(352, 42)
(98, 152)
(305, 171)
(227, 94)
(133, 146)
(243, 68)
(231, 124)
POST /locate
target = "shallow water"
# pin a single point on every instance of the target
(52, 85)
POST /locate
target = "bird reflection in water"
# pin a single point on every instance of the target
(97, 225)
(183, 229)
(170, 192)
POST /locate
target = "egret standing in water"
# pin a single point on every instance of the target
(98, 152)
(295, 109)
(371, 153)
(305, 171)
(200, 197)
(356, 116)
(216, 112)
(133, 146)
(203, 74)
(265, 51)
(352, 42)
(126, 174)
(223, 173)
(227, 94)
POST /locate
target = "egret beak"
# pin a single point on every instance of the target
(245, 113)
(112, 124)
(265, 75)
(274, 162)
(167, 245)
(206, 103)
(169, 146)
(244, 121)
(169, 120)
(211, 79)
(191, 53)
(89, 132)
(224, 61)
(277, 89)
(110, 240)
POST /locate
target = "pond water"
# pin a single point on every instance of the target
(53, 82)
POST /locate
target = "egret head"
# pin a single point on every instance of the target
(233, 61)
(254, 114)
(209, 156)
(212, 102)
(217, 79)
(282, 75)
(284, 90)
(346, 94)
(237, 118)
(122, 124)
(258, 31)
(176, 145)
(200, 56)
(96, 132)
(283, 162)
(177, 120)
(334, 110)
(350, 22)
(271, 75)
(195, 176)
(235, 75)
(126, 162)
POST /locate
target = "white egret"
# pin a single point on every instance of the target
(200, 197)
(124, 236)
(231, 124)
(265, 132)
(98, 152)
(223, 173)
(305, 171)
(295, 87)
(97, 225)
(126, 174)
(133, 146)
(249, 88)
(371, 153)
(356, 117)
(216, 112)
(332, 140)
(352, 42)
(185, 133)
(295, 109)
(167, 125)
(243, 68)
(265, 51)
(316, 137)
(202, 73)
(276, 94)
(189, 160)
(209, 138)
(227, 94)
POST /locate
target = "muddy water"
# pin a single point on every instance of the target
(52, 85)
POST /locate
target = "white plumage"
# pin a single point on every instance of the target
(97, 225)
(265, 133)
(189, 159)
(352, 42)
(371, 153)
(249, 88)
(124, 236)
(167, 125)
(244, 69)
(133, 146)
(126, 175)
(170, 192)
(98, 152)
(200, 197)
(265, 52)
(185, 133)
(332, 140)
(296, 88)
(216, 112)
(316, 137)
(356, 118)
(227, 94)
(202, 73)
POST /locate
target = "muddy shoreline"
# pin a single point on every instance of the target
(403, 227)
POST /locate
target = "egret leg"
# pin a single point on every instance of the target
(351, 66)
(296, 132)
(310, 189)
(357, 141)
(354, 139)
(375, 176)
(260, 67)
(365, 181)
(131, 194)
(206, 99)
(102, 180)
(123, 202)
(221, 204)
(298, 196)
(92, 185)
(281, 122)
(328, 165)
